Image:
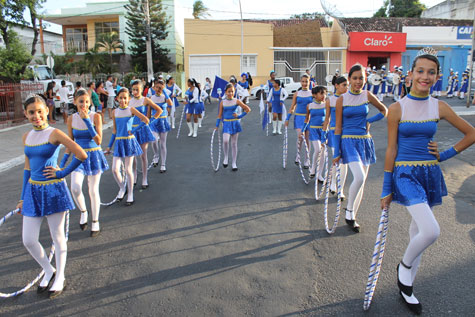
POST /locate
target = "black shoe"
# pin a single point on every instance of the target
(163, 169)
(129, 203)
(54, 294)
(305, 167)
(95, 233)
(312, 175)
(297, 163)
(121, 198)
(332, 192)
(353, 225)
(42, 289)
(225, 165)
(144, 186)
(407, 290)
(83, 226)
(234, 169)
(154, 164)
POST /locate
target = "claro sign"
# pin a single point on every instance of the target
(377, 42)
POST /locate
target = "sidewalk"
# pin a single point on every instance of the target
(11, 153)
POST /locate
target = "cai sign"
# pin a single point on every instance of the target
(377, 42)
(464, 32)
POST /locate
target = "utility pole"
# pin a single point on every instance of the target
(242, 38)
(148, 41)
(472, 55)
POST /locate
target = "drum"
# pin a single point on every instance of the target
(329, 79)
(374, 79)
(396, 79)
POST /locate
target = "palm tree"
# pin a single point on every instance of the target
(95, 61)
(199, 10)
(110, 42)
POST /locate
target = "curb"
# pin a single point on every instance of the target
(4, 166)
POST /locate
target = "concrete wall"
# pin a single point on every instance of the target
(451, 9)
(218, 37)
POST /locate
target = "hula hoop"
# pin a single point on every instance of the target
(181, 121)
(326, 180)
(377, 258)
(285, 148)
(50, 257)
(307, 154)
(124, 176)
(338, 201)
(215, 168)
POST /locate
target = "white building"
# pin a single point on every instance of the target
(52, 42)
(451, 9)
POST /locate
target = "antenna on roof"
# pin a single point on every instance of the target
(330, 9)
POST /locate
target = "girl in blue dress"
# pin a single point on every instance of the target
(173, 91)
(352, 142)
(143, 133)
(299, 108)
(45, 193)
(85, 127)
(193, 109)
(126, 146)
(228, 113)
(316, 123)
(276, 101)
(160, 126)
(244, 84)
(412, 174)
(341, 87)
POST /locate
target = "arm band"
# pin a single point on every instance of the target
(218, 122)
(377, 117)
(242, 115)
(90, 127)
(26, 178)
(443, 156)
(69, 169)
(64, 160)
(337, 139)
(387, 184)
(111, 142)
(288, 116)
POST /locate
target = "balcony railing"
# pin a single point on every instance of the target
(78, 46)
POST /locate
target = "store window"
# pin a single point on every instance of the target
(105, 28)
(76, 39)
(249, 64)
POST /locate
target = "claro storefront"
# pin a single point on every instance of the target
(375, 49)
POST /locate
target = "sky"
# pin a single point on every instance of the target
(252, 9)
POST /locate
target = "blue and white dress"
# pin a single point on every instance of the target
(96, 161)
(277, 98)
(174, 90)
(304, 97)
(331, 132)
(231, 124)
(125, 144)
(44, 196)
(356, 144)
(144, 133)
(317, 118)
(193, 99)
(417, 177)
(161, 124)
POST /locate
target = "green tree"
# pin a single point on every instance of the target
(199, 10)
(110, 43)
(308, 16)
(401, 8)
(136, 30)
(14, 59)
(95, 61)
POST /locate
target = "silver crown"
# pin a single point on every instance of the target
(427, 51)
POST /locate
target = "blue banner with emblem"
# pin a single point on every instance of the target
(464, 32)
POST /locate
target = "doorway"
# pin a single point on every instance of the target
(378, 62)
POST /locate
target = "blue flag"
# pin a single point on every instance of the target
(265, 118)
(219, 87)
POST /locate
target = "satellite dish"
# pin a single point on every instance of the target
(50, 62)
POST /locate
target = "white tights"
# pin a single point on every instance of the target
(317, 147)
(162, 138)
(144, 160)
(31, 234)
(355, 194)
(343, 172)
(423, 231)
(299, 146)
(234, 148)
(93, 181)
(128, 162)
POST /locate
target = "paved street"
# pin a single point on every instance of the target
(199, 243)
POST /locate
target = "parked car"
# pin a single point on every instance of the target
(289, 85)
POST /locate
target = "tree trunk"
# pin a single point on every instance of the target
(4, 32)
